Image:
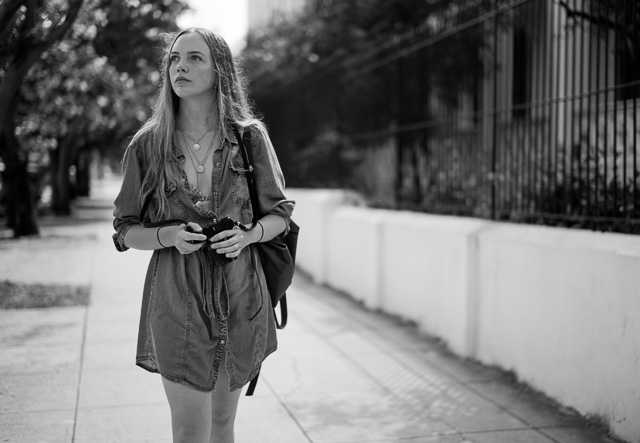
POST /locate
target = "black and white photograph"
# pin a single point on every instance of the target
(320, 221)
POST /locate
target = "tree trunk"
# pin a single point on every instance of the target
(83, 174)
(20, 201)
(60, 185)
(21, 205)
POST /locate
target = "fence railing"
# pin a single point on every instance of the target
(522, 110)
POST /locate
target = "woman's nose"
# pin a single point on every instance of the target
(181, 67)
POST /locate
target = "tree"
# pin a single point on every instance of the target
(323, 71)
(91, 94)
(73, 102)
(29, 28)
(76, 91)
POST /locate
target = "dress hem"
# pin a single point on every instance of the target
(141, 362)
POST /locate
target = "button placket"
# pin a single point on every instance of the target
(216, 173)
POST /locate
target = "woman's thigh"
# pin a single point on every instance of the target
(224, 404)
(190, 412)
(198, 416)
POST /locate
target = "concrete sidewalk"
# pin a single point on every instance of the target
(341, 374)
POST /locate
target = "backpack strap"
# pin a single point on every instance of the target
(252, 384)
(247, 157)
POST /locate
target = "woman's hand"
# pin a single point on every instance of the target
(182, 239)
(233, 241)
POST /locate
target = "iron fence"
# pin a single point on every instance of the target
(521, 110)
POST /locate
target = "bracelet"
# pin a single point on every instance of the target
(158, 236)
(261, 235)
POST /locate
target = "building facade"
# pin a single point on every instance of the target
(263, 12)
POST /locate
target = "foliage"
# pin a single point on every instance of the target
(412, 102)
(28, 29)
(130, 31)
(88, 90)
(326, 161)
(87, 87)
(328, 67)
(327, 31)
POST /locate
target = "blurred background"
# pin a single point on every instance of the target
(523, 111)
(421, 140)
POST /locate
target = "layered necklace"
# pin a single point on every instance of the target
(200, 168)
(196, 143)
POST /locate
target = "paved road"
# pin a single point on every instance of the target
(342, 374)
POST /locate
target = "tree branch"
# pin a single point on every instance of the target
(7, 11)
(28, 51)
(60, 30)
(598, 19)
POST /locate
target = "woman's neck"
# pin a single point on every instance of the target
(197, 116)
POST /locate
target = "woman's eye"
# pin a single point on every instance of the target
(196, 58)
(173, 58)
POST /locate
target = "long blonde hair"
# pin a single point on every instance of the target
(155, 137)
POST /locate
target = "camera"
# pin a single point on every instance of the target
(224, 224)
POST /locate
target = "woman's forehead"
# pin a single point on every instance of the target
(190, 42)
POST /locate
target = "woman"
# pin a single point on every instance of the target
(205, 327)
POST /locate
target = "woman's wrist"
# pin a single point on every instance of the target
(258, 235)
(164, 237)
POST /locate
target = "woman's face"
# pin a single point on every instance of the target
(191, 66)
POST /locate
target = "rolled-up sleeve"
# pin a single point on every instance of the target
(269, 179)
(127, 207)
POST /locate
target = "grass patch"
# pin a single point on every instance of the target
(24, 296)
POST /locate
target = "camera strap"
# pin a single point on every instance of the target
(172, 221)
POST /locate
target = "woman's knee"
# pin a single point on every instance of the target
(190, 412)
(224, 415)
(224, 407)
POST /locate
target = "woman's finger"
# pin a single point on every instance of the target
(228, 248)
(233, 251)
(225, 239)
(223, 236)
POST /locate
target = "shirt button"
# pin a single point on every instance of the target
(222, 342)
(218, 164)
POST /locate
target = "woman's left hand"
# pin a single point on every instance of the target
(231, 242)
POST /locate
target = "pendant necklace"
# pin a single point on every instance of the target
(200, 168)
(196, 143)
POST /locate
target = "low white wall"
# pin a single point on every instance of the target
(559, 307)
(427, 267)
(562, 309)
(312, 213)
(353, 253)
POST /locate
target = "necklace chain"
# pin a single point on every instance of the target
(196, 143)
(201, 168)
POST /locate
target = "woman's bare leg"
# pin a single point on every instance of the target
(224, 405)
(190, 413)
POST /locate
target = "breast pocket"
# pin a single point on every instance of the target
(238, 177)
(176, 208)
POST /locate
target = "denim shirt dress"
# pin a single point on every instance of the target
(194, 313)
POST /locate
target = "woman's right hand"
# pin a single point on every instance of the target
(182, 239)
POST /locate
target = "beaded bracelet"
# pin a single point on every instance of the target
(158, 236)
